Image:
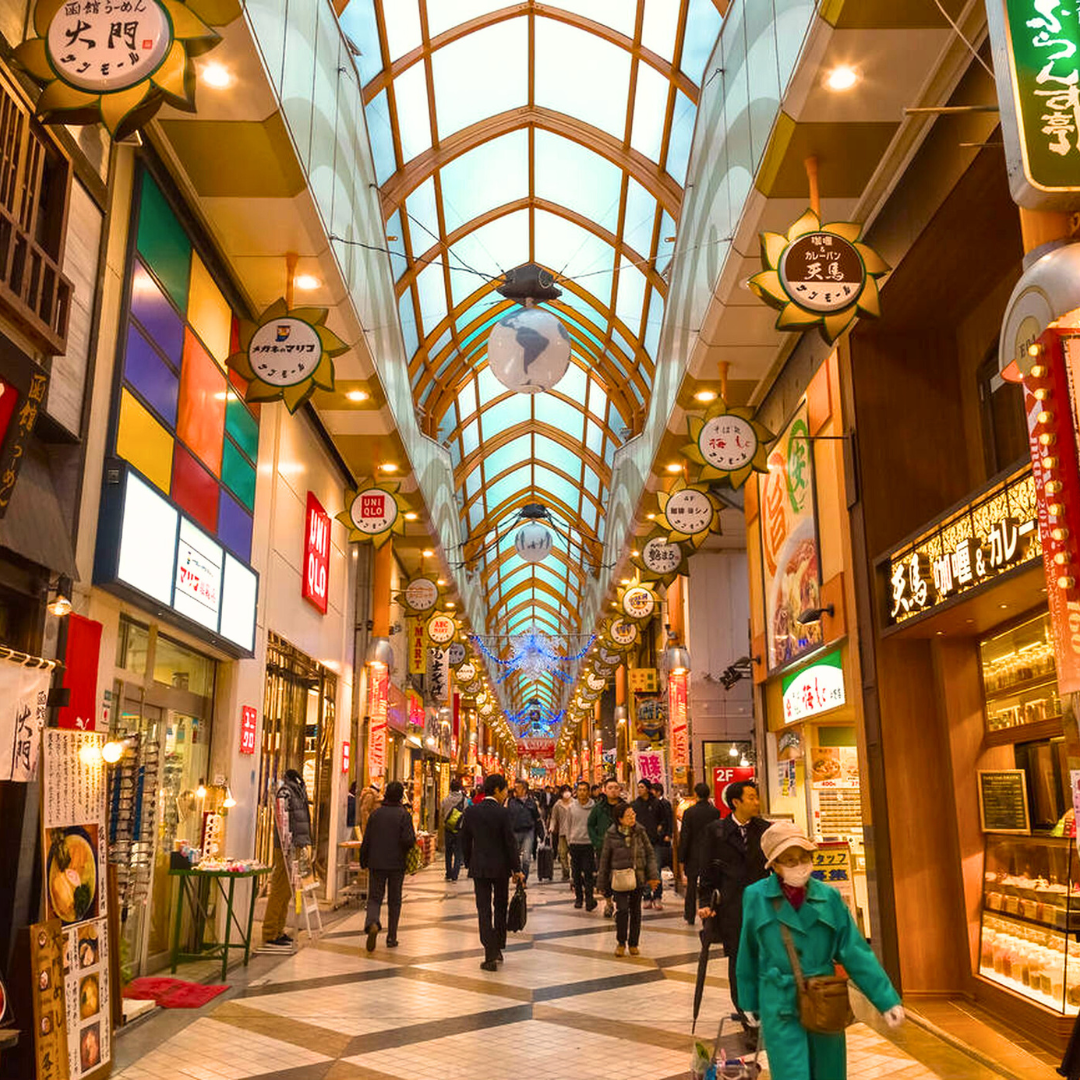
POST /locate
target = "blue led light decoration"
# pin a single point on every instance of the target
(532, 654)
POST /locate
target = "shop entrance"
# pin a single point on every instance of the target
(164, 705)
(298, 733)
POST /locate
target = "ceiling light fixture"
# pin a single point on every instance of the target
(427, 553)
(841, 78)
(306, 282)
(388, 466)
(216, 75)
(357, 395)
(411, 515)
(673, 467)
(705, 396)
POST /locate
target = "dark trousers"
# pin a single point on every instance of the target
(628, 917)
(452, 846)
(583, 870)
(731, 951)
(663, 858)
(690, 904)
(389, 882)
(492, 898)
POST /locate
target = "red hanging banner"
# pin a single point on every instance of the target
(679, 717)
(81, 658)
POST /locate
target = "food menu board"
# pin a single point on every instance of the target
(74, 843)
(1003, 803)
(50, 1028)
(834, 767)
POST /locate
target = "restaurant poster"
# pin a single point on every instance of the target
(74, 845)
(649, 765)
(50, 1023)
(791, 563)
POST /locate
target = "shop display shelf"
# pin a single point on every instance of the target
(1073, 920)
(1020, 687)
(1050, 728)
(1017, 987)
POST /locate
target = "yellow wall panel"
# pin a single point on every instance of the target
(141, 440)
(208, 312)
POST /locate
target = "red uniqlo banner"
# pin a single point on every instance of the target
(81, 658)
(249, 729)
(679, 717)
(316, 581)
(344, 757)
(1055, 376)
(723, 777)
(378, 706)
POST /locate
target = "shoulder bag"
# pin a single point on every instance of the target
(824, 1001)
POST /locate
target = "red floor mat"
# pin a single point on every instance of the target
(172, 993)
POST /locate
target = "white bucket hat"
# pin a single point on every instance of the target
(780, 836)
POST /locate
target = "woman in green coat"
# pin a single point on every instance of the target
(824, 934)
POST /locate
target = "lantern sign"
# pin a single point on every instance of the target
(607, 656)
(728, 444)
(636, 602)
(373, 513)
(660, 559)
(622, 633)
(533, 542)
(441, 629)
(1036, 50)
(287, 354)
(466, 673)
(595, 682)
(455, 655)
(98, 65)
(688, 512)
(819, 275)
(421, 595)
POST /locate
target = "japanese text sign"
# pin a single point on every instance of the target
(679, 717)
(315, 586)
(22, 396)
(1036, 50)
(724, 776)
(24, 693)
(649, 765)
(249, 724)
(345, 757)
(814, 689)
(378, 713)
(643, 680)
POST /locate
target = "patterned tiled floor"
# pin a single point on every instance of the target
(562, 1004)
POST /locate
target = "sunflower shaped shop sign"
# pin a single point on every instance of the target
(819, 275)
(114, 61)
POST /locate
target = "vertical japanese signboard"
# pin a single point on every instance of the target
(833, 865)
(1036, 49)
(789, 544)
(50, 1014)
(316, 580)
(21, 399)
(249, 728)
(679, 718)
(74, 844)
(24, 694)
(378, 712)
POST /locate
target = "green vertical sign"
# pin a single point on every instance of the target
(1036, 46)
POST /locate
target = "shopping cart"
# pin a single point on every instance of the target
(721, 1067)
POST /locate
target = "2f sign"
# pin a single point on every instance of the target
(316, 554)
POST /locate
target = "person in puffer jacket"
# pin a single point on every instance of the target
(294, 814)
(627, 847)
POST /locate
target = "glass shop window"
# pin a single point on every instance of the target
(1004, 426)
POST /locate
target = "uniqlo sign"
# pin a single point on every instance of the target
(249, 722)
(316, 554)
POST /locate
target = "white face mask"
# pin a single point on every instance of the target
(796, 876)
(566, 796)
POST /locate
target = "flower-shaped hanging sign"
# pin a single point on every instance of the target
(420, 595)
(688, 512)
(635, 601)
(373, 513)
(728, 444)
(819, 275)
(113, 61)
(618, 632)
(286, 354)
(659, 559)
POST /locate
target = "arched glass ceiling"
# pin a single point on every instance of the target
(505, 134)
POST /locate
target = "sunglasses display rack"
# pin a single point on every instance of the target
(132, 819)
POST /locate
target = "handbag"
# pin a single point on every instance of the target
(517, 914)
(624, 880)
(414, 859)
(824, 1001)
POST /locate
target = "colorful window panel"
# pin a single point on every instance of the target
(183, 422)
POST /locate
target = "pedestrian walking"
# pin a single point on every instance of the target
(695, 820)
(293, 812)
(650, 815)
(451, 814)
(528, 826)
(579, 844)
(387, 840)
(794, 924)
(601, 818)
(627, 868)
(559, 827)
(492, 856)
(667, 835)
(732, 860)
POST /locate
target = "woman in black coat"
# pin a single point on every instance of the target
(387, 839)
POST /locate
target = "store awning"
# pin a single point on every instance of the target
(34, 525)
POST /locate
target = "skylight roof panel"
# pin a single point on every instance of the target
(572, 384)
(654, 323)
(574, 176)
(702, 28)
(682, 134)
(640, 219)
(660, 27)
(650, 111)
(581, 75)
(554, 484)
(505, 414)
(620, 15)
(494, 173)
(470, 438)
(446, 14)
(408, 323)
(360, 26)
(598, 400)
(431, 291)
(594, 439)
(631, 296)
(554, 453)
(571, 251)
(377, 115)
(402, 19)
(559, 414)
(516, 450)
(414, 120)
(492, 250)
(507, 487)
(423, 216)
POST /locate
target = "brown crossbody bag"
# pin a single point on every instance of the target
(824, 1001)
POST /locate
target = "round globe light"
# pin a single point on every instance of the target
(533, 542)
(529, 350)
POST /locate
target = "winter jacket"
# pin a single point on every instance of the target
(601, 818)
(577, 818)
(651, 816)
(559, 822)
(456, 800)
(387, 838)
(695, 820)
(623, 850)
(525, 815)
(293, 794)
(824, 934)
(728, 865)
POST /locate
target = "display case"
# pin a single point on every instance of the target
(1020, 680)
(1030, 919)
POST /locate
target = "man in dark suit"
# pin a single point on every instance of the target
(491, 853)
(695, 820)
(731, 859)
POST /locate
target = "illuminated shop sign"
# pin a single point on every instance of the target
(814, 689)
(147, 546)
(987, 538)
(315, 587)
